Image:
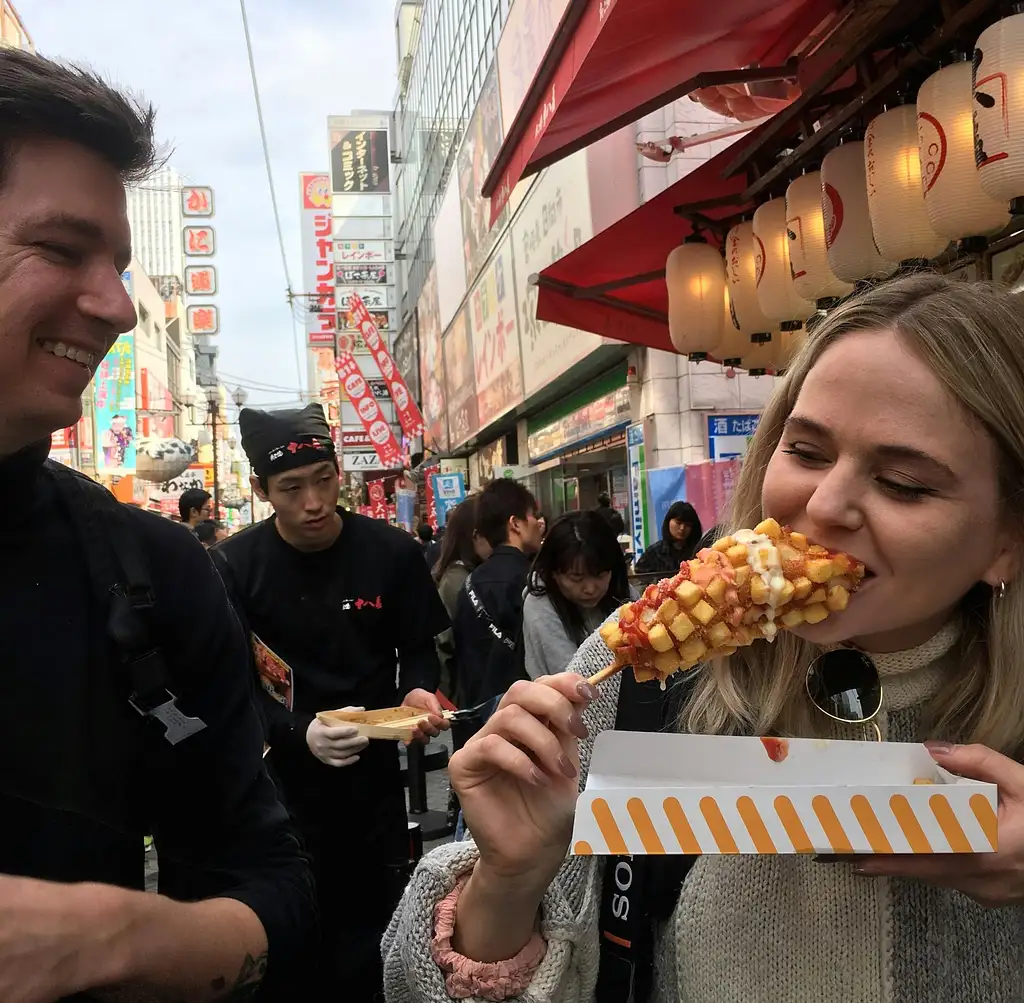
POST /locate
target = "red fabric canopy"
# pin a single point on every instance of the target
(625, 54)
(592, 288)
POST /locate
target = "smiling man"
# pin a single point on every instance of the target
(88, 765)
(343, 612)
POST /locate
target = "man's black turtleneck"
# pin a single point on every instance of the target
(80, 783)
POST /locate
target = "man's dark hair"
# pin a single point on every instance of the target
(500, 501)
(604, 500)
(41, 99)
(425, 532)
(207, 530)
(191, 501)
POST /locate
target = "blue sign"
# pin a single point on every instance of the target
(449, 491)
(638, 511)
(667, 486)
(729, 435)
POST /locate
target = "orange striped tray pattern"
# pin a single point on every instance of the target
(942, 818)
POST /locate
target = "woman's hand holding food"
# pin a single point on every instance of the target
(517, 781)
(993, 879)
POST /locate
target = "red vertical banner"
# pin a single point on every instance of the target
(378, 500)
(354, 384)
(428, 489)
(409, 416)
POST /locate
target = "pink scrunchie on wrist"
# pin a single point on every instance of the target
(495, 981)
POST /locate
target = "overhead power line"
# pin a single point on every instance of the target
(270, 181)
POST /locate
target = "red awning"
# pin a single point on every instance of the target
(614, 284)
(613, 61)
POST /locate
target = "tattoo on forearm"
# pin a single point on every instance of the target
(245, 985)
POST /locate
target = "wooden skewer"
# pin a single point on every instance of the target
(606, 673)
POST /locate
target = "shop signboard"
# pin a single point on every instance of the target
(197, 201)
(373, 297)
(449, 252)
(495, 336)
(479, 148)
(360, 252)
(636, 460)
(449, 491)
(114, 409)
(599, 417)
(200, 241)
(554, 220)
(709, 488)
(729, 435)
(666, 486)
(360, 160)
(460, 388)
(317, 260)
(406, 352)
(378, 500)
(432, 382)
(405, 508)
(351, 274)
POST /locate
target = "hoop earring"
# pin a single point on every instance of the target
(1000, 590)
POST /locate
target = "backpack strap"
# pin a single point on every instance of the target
(638, 891)
(481, 611)
(120, 576)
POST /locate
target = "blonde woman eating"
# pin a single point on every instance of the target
(898, 437)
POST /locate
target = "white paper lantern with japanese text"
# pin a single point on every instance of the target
(852, 253)
(779, 300)
(956, 203)
(741, 278)
(998, 92)
(808, 254)
(695, 276)
(734, 341)
(899, 219)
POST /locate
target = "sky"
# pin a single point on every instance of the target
(313, 58)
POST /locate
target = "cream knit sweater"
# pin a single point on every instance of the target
(750, 929)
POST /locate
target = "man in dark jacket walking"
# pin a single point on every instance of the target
(488, 619)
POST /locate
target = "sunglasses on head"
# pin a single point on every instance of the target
(845, 686)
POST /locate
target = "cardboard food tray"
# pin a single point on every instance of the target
(665, 793)
(394, 723)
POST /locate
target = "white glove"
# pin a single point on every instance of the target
(338, 745)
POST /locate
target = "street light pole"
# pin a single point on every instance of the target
(213, 396)
(241, 395)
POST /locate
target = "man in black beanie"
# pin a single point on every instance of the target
(342, 612)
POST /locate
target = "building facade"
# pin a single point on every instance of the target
(154, 212)
(12, 30)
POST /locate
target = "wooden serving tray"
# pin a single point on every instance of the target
(394, 723)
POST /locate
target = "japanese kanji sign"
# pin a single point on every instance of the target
(200, 241)
(408, 413)
(200, 280)
(204, 319)
(375, 425)
(351, 274)
(317, 260)
(197, 201)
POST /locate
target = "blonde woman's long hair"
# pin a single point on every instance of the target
(971, 335)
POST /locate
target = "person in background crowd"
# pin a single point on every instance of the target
(431, 547)
(210, 533)
(578, 579)
(680, 535)
(542, 522)
(460, 554)
(85, 771)
(342, 613)
(611, 515)
(195, 506)
(488, 621)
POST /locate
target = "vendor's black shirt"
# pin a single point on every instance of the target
(356, 624)
(80, 782)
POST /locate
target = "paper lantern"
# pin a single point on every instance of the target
(808, 254)
(899, 219)
(852, 253)
(695, 276)
(760, 358)
(775, 292)
(741, 278)
(998, 93)
(734, 341)
(790, 343)
(160, 460)
(956, 203)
